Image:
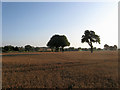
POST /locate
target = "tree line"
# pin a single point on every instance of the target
(58, 42)
(11, 48)
(107, 47)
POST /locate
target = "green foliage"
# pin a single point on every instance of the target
(107, 47)
(16, 49)
(58, 41)
(90, 37)
(36, 49)
(21, 49)
(28, 48)
(8, 48)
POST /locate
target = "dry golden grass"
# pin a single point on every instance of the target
(60, 70)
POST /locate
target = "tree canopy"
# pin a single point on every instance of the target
(107, 47)
(28, 48)
(90, 37)
(58, 41)
(8, 48)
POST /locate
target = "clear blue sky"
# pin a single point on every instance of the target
(34, 23)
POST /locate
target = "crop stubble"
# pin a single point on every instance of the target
(60, 70)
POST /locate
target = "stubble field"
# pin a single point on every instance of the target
(60, 70)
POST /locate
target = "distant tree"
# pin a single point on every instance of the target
(79, 48)
(28, 48)
(90, 37)
(111, 48)
(84, 49)
(99, 49)
(36, 49)
(58, 41)
(8, 48)
(106, 47)
(71, 48)
(16, 48)
(21, 49)
(94, 48)
(115, 47)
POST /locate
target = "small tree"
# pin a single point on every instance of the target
(115, 47)
(16, 49)
(21, 49)
(90, 37)
(28, 48)
(106, 47)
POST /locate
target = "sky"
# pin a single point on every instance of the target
(34, 23)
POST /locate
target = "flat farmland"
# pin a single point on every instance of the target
(60, 70)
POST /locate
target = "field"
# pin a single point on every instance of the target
(60, 70)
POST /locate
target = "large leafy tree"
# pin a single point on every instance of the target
(90, 37)
(64, 42)
(58, 41)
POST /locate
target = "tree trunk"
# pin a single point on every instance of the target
(91, 49)
(57, 49)
(62, 49)
(90, 43)
(52, 49)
